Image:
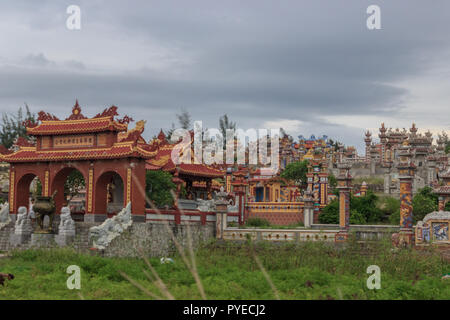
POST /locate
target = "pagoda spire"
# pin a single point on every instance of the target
(76, 112)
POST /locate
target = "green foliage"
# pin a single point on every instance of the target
(367, 207)
(13, 127)
(332, 182)
(447, 206)
(424, 202)
(330, 214)
(391, 209)
(296, 171)
(447, 148)
(158, 187)
(74, 184)
(38, 191)
(257, 222)
(395, 218)
(184, 119)
(369, 180)
(224, 124)
(363, 210)
(357, 217)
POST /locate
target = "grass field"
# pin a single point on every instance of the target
(230, 271)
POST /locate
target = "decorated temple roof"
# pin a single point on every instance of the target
(60, 127)
(78, 123)
(202, 184)
(163, 161)
(131, 144)
(118, 150)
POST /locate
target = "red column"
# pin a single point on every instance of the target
(406, 174)
(135, 189)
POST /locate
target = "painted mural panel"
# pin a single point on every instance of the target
(440, 231)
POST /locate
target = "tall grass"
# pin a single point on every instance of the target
(308, 270)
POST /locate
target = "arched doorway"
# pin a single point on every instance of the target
(109, 193)
(28, 186)
(71, 187)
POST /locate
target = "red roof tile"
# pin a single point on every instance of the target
(77, 126)
(116, 151)
(163, 161)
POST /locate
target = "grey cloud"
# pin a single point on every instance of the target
(37, 60)
(254, 60)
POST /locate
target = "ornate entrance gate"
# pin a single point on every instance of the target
(99, 148)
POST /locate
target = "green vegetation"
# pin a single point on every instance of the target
(265, 224)
(373, 209)
(332, 183)
(296, 171)
(363, 210)
(13, 126)
(391, 209)
(257, 222)
(369, 180)
(158, 187)
(309, 270)
(424, 202)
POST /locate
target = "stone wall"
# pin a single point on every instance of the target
(155, 240)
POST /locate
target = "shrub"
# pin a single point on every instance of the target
(357, 217)
(395, 218)
(391, 208)
(330, 214)
(257, 222)
(424, 202)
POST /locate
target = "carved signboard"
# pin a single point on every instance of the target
(73, 141)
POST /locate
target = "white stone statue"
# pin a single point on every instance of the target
(66, 225)
(5, 219)
(233, 208)
(23, 222)
(103, 234)
(205, 205)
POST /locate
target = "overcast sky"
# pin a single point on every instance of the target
(311, 67)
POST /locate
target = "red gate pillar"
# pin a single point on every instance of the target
(12, 192)
(135, 189)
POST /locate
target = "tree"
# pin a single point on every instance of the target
(296, 171)
(424, 202)
(362, 210)
(13, 126)
(332, 182)
(390, 207)
(158, 187)
(74, 184)
(224, 125)
(447, 206)
(330, 214)
(169, 132)
(367, 206)
(184, 119)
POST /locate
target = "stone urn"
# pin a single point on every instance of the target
(44, 206)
